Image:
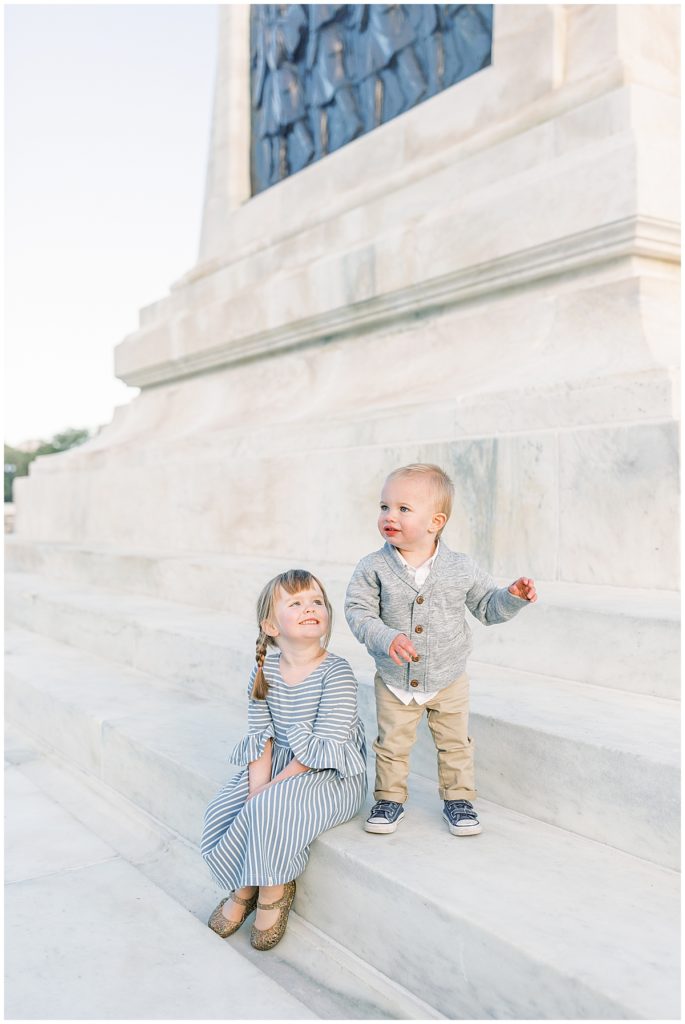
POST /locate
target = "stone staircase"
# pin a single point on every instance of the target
(120, 945)
(129, 668)
(147, 883)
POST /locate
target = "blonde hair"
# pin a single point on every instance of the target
(293, 581)
(441, 486)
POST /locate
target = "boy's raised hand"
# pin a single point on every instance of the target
(524, 588)
(401, 647)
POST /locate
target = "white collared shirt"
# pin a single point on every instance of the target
(421, 574)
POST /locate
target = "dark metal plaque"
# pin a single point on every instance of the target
(322, 74)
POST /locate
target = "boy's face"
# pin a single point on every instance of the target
(408, 519)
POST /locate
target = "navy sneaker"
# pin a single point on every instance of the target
(461, 818)
(384, 816)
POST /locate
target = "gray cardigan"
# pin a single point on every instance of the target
(382, 601)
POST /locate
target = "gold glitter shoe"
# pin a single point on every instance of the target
(269, 937)
(220, 924)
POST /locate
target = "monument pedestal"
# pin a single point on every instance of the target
(489, 281)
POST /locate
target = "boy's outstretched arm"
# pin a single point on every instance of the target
(362, 611)
(491, 604)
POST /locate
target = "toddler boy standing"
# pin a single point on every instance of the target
(416, 587)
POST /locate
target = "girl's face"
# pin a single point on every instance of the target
(300, 616)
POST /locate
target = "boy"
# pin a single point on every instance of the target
(415, 586)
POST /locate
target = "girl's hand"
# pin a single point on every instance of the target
(524, 588)
(401, 647)
(292, 768)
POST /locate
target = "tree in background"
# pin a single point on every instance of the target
(18, 460)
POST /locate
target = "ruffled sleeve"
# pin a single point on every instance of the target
(316, 752)
(251, 747)
(260, 729)
(336, 739)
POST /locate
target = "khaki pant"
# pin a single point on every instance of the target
(448, 720)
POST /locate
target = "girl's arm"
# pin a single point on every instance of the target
(259, 771)
(255, 749)
(292, 768)
(334, 739)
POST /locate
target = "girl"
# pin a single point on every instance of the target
(305, 759)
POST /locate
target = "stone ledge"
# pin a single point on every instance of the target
(563, 505)
(630, 636)
(630, 236)
(606, 744)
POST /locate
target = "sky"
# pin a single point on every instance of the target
(107, 120)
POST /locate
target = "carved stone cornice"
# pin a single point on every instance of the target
(645, 237)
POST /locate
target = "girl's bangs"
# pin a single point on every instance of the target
(296, 580)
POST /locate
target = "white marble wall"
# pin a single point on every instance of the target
(489, 281)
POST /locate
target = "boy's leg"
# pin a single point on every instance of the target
(448, 719)
(397, 723)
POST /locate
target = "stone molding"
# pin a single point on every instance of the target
(641, 236)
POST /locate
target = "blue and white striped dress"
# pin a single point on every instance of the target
(266, 840)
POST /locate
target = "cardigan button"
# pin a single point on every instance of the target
(419, 600)
(415, 657)
(418, 629)
(414, 682)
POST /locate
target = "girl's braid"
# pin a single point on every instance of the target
(261, 648)
(260, 687)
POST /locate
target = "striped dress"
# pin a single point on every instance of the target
(266, 841)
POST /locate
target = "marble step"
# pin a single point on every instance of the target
(608, 636)
(119, 946)
(525, 921)
(322, 978)
(597, 761)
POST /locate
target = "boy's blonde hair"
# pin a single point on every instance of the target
(292, 581)
(441, 486)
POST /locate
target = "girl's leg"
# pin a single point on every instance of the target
(285, 819)
(268, 894)
(219, 853)
(233, 911)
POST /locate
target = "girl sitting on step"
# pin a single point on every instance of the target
(304, 758)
